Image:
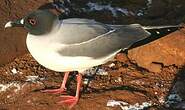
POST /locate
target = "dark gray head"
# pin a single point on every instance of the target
(37, 23)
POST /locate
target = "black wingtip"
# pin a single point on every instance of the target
(156, 34)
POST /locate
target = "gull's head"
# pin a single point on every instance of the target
(38, 22)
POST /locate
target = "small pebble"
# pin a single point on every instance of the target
(14, 71)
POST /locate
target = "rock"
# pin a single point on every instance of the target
(166, 51)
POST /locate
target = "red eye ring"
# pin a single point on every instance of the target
(32, 21)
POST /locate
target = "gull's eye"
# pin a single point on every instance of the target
(32, 21)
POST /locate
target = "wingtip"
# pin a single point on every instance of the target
(182, 25)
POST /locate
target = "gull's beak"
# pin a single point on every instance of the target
(8, 24)
(16, 23)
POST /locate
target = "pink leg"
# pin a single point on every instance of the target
(72, 100)
(62, 87)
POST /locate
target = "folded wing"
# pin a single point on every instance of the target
(103, 40)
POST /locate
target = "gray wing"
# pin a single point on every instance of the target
(77, 30)
(120, 37)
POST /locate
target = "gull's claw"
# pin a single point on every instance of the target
(70, 101)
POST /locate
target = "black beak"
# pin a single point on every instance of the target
(15, 23)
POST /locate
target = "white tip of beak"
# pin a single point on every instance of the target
(8, 24)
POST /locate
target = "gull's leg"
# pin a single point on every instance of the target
(72, 100)
(62, 88)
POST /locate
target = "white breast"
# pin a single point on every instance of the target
(45, 52)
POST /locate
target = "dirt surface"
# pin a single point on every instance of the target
(153, 73)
